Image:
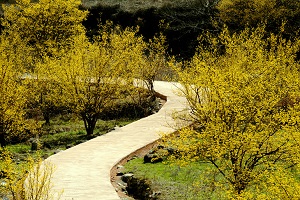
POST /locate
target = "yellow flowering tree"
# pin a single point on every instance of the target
(244, 92)
(43, 94)
(96, 76)
(46, 27)
(238, 14)
(12, 96)
(29, 180)
(154, 61)
(42, 29)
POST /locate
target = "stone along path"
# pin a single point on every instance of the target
(83, 172)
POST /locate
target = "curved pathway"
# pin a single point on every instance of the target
(83, 171)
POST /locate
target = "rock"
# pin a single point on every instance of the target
(151, 151)
(120, 173)
(134, 157)
(126, 177)
(122, 185)
(148, 157)
(158, 154)
(152, 158)
(120, 167)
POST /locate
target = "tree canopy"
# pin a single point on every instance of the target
(238, 14)
(95, 76)
(12, 97)
(46, 27)
(245, 106)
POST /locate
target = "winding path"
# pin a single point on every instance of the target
(83, 171)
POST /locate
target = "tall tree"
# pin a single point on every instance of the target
(42, 29)
(12, 96)
(154, 62)
(46, 27)
(245, 105)
(96, 76)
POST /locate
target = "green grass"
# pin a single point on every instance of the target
(63, 132)
(19, 148)
(72, 132)
(195, 181)
(175, 182)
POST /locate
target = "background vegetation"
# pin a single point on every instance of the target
(239, 68)
(184, 20)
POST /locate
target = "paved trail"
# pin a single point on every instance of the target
(83, 171)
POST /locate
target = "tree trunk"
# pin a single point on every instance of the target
(2, 140)
(46, 118)
(89, 124)
(240, 185)
(151, 86)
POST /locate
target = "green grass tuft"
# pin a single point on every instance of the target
(19, 148)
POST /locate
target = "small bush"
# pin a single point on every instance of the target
(29, 180)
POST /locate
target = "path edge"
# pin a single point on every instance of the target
(136, 153)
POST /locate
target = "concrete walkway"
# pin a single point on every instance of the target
(83, 171)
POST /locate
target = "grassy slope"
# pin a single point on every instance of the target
(175, 182)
